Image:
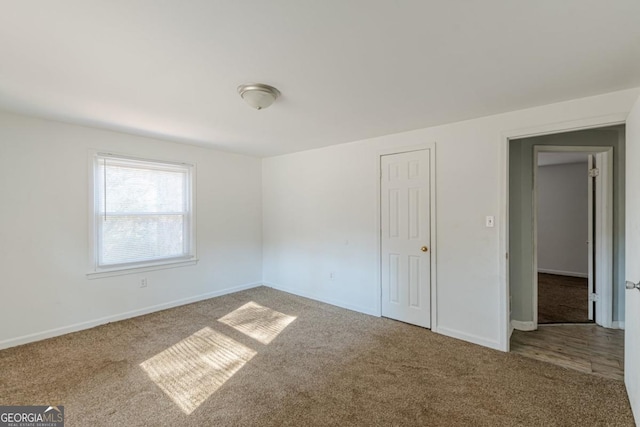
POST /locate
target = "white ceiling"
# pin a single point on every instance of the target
(347, 69)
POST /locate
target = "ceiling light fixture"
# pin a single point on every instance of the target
(258, 95)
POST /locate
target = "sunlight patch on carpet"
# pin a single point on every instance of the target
(260, 323)
(193, 369)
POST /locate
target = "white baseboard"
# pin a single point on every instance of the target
(474, 339)
(523, 326)
(341, 304)
(564, 273)
(617, 324)
(25, 339)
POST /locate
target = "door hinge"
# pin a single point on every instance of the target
(594, 172)
(594, 297)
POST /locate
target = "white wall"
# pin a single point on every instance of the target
(44, 230)
(563, 221)
(632, 301)
(320, 216)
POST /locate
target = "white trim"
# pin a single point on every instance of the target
(534, 225)
(505, 303)
(133, 270)
(564, 273)
(506, 136)
(433, 196)
(341, 304)
(591, 265)
(568, 126)
(523, 326)
(617, 324)
(431, 146)
(474, 339)
(50, 333)
(139, 159)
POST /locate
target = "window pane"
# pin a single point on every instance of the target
(132, 238)
(138, 190)
(142, 211)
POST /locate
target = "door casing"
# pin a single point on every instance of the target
(503, 227)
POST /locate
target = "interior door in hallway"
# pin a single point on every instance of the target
(405, 237)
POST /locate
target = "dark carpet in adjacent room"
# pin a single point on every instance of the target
(562, 299)
(266, 358)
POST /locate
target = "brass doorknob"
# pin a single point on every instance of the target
(424, 249)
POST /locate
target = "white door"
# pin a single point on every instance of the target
(591, 289)
(405, 237)
(632, 264)
(603, 237)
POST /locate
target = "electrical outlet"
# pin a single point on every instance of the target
(332, 275)
(490, 221)
(143, 282)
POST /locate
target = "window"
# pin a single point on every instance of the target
(142, 213)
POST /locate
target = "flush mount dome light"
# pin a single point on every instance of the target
(258, 95)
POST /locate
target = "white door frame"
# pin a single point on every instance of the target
(432, 212)
(503, 228)
(603, 228)
(590, 237)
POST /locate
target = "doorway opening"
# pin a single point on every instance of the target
(573, 234)
(563, 243)
(566, 247)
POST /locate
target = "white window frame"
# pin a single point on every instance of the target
(96, 271)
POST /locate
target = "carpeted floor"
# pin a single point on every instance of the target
(562, 299)
(266, 358)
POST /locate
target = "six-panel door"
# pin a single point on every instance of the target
(405, 237)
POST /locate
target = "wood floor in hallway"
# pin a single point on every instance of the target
(562, 299)
(583, 347)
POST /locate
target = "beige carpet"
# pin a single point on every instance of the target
(263, 357)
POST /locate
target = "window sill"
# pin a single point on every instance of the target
(133, 270)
